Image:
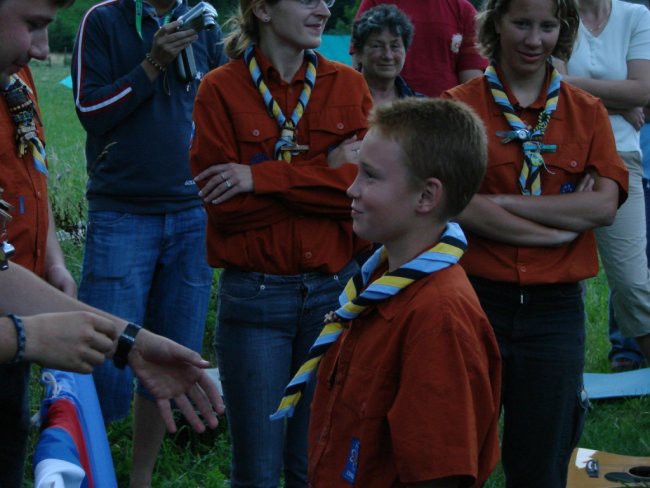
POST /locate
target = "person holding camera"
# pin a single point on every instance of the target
(136, 70)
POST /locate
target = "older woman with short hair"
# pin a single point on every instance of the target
(380, 38)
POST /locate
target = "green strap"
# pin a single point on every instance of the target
(138, 17)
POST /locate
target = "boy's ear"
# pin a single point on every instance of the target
(431, 197)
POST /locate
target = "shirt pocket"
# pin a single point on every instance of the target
(570, 157)
(331, 126)
(564, 168)
(256, 135)
(369, 394)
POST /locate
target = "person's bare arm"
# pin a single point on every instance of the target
(619, 94)
(56, 273)
(485, 218)
(576, 212)
(167, 369)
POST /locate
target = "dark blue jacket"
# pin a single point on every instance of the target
(138, 135)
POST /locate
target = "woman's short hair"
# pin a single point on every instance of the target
(378, 18)
(493, 10)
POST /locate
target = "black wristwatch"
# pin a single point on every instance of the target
(124, 345)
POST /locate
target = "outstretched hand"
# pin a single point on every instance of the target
(173, 372)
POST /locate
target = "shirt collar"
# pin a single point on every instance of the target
(537, 105)
(325, 67)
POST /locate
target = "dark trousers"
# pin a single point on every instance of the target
(541, 335)
(14, 423)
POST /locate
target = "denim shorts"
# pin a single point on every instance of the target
(151, 270)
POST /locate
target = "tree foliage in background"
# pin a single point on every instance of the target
(64, 29)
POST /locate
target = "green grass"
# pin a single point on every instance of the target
(190, 460)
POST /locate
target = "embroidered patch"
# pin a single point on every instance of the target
(568, 187)
(352, 463)
(259, 157)
(456, 41)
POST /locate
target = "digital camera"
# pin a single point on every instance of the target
(201, 16)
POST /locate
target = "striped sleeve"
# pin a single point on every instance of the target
(103, 100)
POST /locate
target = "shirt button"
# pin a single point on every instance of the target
(523, 269)
(38, 195)
(308, 255)
(256, 132)
(340, 126)
(574, 164)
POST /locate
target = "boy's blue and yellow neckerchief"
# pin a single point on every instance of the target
(531, 140)
(355, 299)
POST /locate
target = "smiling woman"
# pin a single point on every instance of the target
(274, 152)
(381, 37)
(553, 175)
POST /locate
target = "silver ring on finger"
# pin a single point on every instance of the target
(223, 178)
(228, 184)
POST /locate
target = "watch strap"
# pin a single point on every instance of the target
(124, 345)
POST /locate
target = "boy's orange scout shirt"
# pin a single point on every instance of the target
(581, 130)
(297, 219)
(410, 392)
(25, 188)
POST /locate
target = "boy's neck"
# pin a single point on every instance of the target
(408, 247)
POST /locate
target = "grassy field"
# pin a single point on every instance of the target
(189, 460)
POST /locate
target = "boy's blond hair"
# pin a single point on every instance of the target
(441, 139)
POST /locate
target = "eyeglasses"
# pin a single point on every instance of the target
(313, 4)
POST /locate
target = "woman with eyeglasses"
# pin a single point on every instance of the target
(278, 130)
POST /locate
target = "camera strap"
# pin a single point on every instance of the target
(138, 17)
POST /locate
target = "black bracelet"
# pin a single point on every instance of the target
(154, 63)
(124, 345)
(20, 338)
